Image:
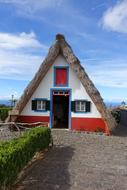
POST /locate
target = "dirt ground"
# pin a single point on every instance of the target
(80, 161)
(6, 134)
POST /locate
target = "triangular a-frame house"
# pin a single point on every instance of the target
(62, 94)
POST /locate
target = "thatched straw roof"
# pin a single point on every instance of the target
(62, 47)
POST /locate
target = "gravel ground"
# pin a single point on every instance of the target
(6, 134)
(80, 161)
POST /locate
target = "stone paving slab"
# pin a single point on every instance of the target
(80, 161)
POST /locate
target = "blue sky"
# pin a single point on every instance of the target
(96, 31)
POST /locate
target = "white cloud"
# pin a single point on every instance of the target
(110, 73)
(22, 40)
(115, 18)
(20, 55)
(19, 65)
(31, 6)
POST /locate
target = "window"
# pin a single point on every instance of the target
(41, 105)
(61, 76)
(80, 106)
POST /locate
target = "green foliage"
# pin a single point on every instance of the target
(116, 114)
(4, 113)
(14, 155)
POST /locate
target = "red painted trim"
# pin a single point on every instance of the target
(89, 124)
(32, 119)
(79, 124)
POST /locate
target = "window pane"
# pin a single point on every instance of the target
(80, 106)
(83, 106)
(41, 105)
(78, 103)
(38, 105)
(77, 106)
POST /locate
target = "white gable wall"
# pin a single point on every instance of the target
(78, 92)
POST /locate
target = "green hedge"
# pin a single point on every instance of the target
(14, 155)
(116, 114)
(4, 113)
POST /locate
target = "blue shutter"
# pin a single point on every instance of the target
(73, 106)
(34, 105)
(88, 106)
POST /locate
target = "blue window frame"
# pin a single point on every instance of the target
(67, 80)
(39, 105)
(81, 106)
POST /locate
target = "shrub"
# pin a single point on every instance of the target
(4, 113)
(116, 114)
(14, 155)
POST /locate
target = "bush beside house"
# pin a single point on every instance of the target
(4, 112)
(116, 114)
(14, 155)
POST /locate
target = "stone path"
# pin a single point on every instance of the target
(80, 161)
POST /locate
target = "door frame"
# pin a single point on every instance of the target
(51, 104)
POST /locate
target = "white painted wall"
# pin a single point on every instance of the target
(78, 92)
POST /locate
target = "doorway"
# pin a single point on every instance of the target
(60, 109)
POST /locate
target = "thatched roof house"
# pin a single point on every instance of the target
(62, 94)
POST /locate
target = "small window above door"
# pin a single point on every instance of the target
(61, 76)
